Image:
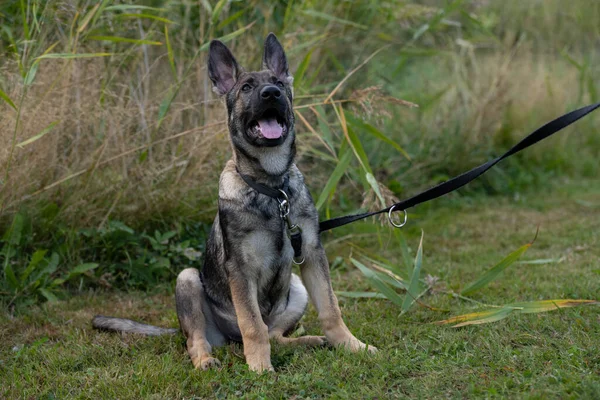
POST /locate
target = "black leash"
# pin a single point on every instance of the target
(295, 233)
(459, 181)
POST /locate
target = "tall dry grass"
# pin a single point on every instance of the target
(138, 134)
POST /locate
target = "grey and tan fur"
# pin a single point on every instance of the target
(246, 290)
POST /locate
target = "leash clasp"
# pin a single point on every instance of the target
(284, 204)
(294, 232)
(396, 225)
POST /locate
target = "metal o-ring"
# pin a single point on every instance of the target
(392, 221)
(285, 196)
(298, 263)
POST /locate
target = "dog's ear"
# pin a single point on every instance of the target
(275, 60)
(223, 70)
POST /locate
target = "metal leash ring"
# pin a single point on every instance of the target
(284, 204)
(392, 221)
(299, 262)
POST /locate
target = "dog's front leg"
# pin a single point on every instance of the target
(315, 275)
(255, 334)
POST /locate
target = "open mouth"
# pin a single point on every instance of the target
(270, 125)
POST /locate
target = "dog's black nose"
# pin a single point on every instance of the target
(270, 92)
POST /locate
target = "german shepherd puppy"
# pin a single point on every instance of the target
(246, 290)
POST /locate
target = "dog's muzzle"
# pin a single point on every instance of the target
(269, 125)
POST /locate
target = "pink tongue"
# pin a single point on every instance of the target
(270, 128)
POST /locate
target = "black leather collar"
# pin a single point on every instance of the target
(267, 190)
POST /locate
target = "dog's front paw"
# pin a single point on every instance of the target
(258, 357)
(205, 363)
(260, 366)
(354, 345)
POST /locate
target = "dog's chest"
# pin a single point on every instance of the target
(268, 250)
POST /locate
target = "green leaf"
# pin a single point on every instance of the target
(571, 60)
(58, 282)
(160, 263)
(146, 16)
(540, 261)
(7, 99)
(399, 284)
(165, 105)
(359, 124)
(119, 226)
(206, 5)
(39, 135)
(288, 14)
(9, 273)
(324, 127)
(385, 264)
(487, 317)
(334, 178)
(358, 150)
(170, 52)
(25, 24)
(48, 269)
(68, 56)
(81, 268)
(230, 19)
(75, 272)
(48, 295)
(165, 237)
(301, 70)
(228, 37)
(359, 295)
(214, 18)
(13, 234)
(117, 39)
(88, 17)
(375, 186)
(413, 287)
(36, 258)
(98, 13)
(419, 32)
(125, 7)
(527, 307)
(331, 18)
(53, 264)
(384, 289)
(437, 18)
(29, 78)
(433, 99)
(492, 273)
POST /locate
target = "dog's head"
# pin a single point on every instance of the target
(259, 104)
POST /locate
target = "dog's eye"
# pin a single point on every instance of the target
(246, 87)
(280, 84)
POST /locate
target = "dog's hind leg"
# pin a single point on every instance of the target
(195, 319)
(283, 323)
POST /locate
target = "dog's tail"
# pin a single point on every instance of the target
(126, 325)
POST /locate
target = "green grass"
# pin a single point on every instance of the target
(51, 351)
(111, 164)
(129, 134)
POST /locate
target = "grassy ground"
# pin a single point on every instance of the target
(136, 137)
(51, 352)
